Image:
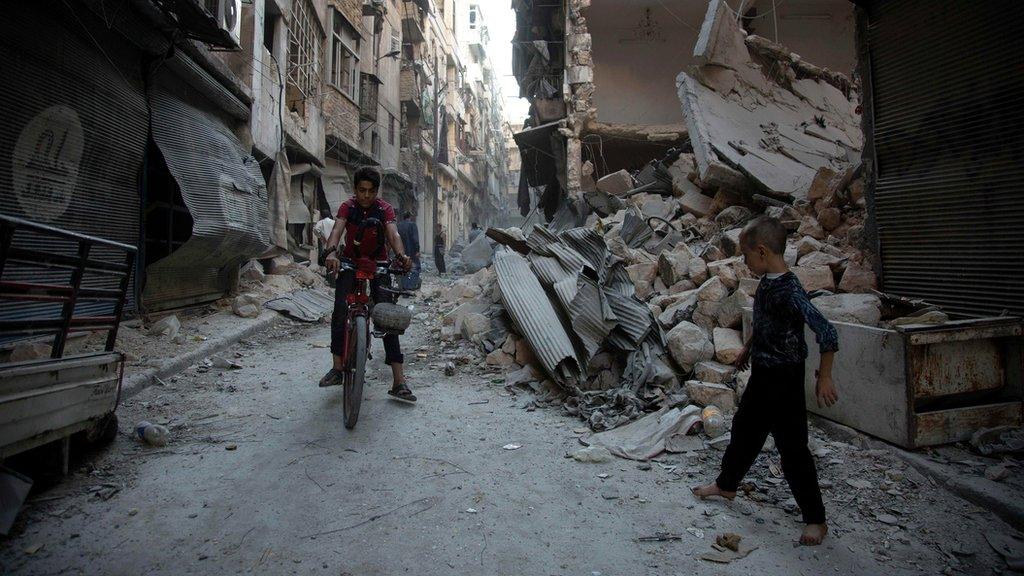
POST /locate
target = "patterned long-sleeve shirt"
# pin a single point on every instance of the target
(781, 307)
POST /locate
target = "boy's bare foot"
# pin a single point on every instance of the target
(813, 534)
(712, 489)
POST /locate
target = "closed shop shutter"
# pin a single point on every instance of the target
(948, 98)
(72, 137)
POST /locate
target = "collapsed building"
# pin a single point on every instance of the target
(656, 143)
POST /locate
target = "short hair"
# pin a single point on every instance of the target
(407, 215)
(767, 231)
(367, 173)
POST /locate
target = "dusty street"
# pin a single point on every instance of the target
(261, 477)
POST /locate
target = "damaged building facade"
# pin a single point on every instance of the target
(664, 127)
(212, 134)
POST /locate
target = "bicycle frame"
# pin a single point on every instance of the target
(359, 299)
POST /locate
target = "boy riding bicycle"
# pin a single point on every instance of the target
(364, 242)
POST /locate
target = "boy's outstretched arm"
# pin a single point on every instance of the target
(828, 344)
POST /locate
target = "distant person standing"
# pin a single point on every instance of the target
(474, 232)
(410, 235)
(439, 245)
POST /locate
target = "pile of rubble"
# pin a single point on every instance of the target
(642, 307)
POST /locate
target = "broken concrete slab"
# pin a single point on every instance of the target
(806, 245)
(698, 271)
(733, 216)
(696, 203)
(749, 286)
(478, 255)
(246, 306)
(778, 132)
(616, 183)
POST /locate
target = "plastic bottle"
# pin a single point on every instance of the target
(714, 422)
(152, 434)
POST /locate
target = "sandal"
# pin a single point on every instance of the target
(402, 392)
(334, 377)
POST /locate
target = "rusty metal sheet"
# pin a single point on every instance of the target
(959, 332)
(956, 367)
(957, 424)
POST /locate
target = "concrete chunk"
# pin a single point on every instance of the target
(674, 266)
(696, 203)
(819, 258)
(617, 183)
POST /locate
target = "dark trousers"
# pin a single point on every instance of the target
(439, 259)
(774, 403)
(346, 280)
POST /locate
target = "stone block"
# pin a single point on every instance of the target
(858, 278)
(713, 372)
(728, 345)
(710, 393)
(696, 203)
(688, 344)
(730, 314)
(713, 290)
(817, 278)
(616, 184)
(863, 309)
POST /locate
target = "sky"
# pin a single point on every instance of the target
(501, 23)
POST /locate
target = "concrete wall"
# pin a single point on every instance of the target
(628, 71)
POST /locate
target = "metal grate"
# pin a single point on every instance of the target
(948, 97)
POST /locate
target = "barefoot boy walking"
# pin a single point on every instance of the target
(774, 399)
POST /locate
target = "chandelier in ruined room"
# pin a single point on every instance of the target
(647, 31)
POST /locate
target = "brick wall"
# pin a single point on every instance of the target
(341, 116)
(351, 9)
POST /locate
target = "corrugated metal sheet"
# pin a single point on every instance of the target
(592, 319)
(634, 231)
(71, 140)
(948, 98)
(633, 318)
(589, 244)
(532, 311)
(224, 190)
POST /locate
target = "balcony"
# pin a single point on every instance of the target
(369, 86)
(412, 29)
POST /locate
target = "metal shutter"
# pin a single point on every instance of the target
(948, 97)
(72, 138)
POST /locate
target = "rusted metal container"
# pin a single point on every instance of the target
(925, 385)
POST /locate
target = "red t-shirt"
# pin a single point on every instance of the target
(372, 237)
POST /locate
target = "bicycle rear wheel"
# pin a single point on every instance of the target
(356, 374)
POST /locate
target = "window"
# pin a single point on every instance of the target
(270, 21)
(396, 41)
(391, 129)
(304, 39)
(375, 144)
(344, 57)
(472, 17)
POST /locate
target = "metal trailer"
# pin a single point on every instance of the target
(55, 283)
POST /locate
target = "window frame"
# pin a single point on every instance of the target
(340, 48)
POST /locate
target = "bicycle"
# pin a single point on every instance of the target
(388, 318)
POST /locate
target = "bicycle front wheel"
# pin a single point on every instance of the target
(356, 374)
